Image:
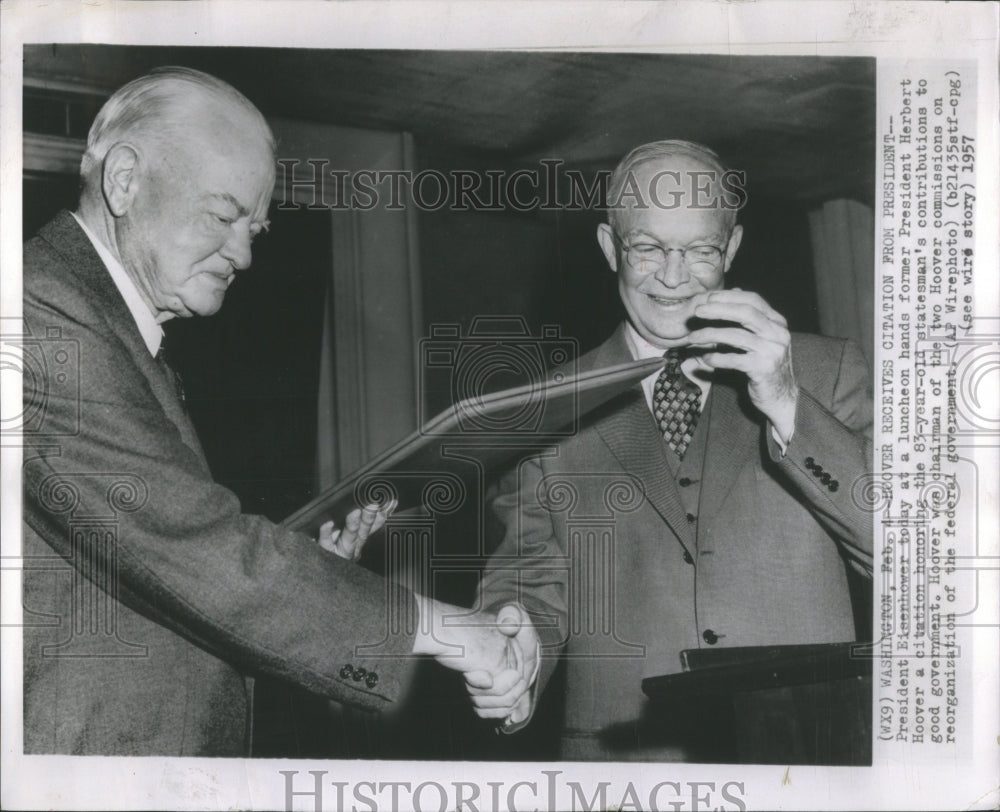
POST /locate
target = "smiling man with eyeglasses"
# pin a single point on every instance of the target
(671, 243)
(739, 458)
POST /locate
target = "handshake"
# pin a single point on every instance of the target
(498, 654)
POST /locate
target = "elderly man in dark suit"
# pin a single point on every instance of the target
(709, 507)
(175, 598)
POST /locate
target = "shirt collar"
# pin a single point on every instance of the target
(641, 349)
(152, 333)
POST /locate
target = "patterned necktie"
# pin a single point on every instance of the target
(676, 404)
(164, 360)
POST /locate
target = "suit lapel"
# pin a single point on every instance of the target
(628, 430)
(733, 437)
(66, 236)
(638, 446)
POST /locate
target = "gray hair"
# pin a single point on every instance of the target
(654, 151)
(146, 110)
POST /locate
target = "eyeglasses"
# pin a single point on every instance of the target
(649, 257)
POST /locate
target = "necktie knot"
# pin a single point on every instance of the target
(673, 366)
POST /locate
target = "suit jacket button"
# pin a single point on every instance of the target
(810, 462)
(833, 485)
(371, 680)
(687, 557)
(825, 478)
(346, 672)
(684, 481)
(692, 518)
(359, 674)
(710, 637)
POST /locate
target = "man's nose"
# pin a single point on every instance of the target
(673, 272)
(237, 248)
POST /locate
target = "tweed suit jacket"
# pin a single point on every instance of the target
(148, 595)
(619, 576)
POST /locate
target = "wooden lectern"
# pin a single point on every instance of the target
(799, 704)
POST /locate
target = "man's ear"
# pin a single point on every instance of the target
(607, 240)
(120, 178)
(733, 246)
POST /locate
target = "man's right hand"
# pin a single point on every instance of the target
(498, 654)
(463, 640)
(508, 695)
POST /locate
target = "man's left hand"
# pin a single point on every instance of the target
(360, 524)
(762, 345)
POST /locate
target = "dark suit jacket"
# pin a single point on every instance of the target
(147, 593)
(598, 546)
